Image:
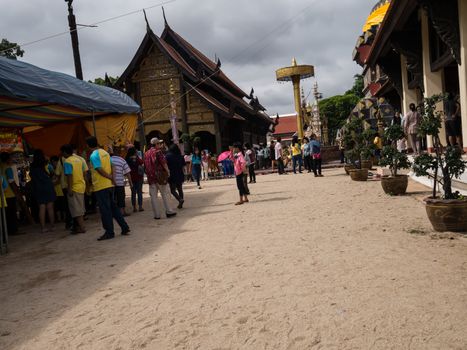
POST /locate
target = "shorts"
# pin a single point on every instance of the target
(119, 196)
(76, 205)
(453, 127)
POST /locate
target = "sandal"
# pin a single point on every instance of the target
(239, 203)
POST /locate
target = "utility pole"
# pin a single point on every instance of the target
(74, 40)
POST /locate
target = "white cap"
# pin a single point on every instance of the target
(154, 141)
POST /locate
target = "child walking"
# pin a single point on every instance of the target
(239, 168)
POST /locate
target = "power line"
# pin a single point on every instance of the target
(89, 26)
(280, 27)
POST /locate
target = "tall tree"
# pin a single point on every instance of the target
(337, 109)
(10, 50)
(357, 88)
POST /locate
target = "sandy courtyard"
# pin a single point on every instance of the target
(309, 264)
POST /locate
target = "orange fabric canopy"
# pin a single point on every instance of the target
(51, 138)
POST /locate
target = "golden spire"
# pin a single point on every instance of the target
(294, 62)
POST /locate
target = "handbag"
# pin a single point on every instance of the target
(162, 177)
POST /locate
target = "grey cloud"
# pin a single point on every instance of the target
(322, 33)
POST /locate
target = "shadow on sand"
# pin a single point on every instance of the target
(39, 263)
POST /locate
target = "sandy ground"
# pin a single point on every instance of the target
(310, 264)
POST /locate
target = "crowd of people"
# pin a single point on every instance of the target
(69, 186)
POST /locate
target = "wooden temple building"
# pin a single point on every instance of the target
(208, 104)
(411, 49)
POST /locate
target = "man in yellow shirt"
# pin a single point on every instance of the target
(102, 182)
(296, 151)
(75, 169)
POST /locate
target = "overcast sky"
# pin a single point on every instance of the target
(252, 38)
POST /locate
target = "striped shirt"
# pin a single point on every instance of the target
(120, 169)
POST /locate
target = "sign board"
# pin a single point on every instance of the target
(10, 140)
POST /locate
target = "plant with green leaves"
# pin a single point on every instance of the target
(10, 50)
(445, 163)
(390, 155)
(190, 142)
(358, 141)
(185, 138)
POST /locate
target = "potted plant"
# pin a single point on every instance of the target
(360, 142)
(391, 157)
(196, 142)
(186, 140)
(351, 156)
(448, 212)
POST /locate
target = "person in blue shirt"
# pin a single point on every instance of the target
(307, 154)
(316, 155)
(196, 166)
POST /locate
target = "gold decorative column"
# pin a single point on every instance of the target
(295, 74)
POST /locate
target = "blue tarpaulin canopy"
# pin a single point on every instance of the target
(30, 95)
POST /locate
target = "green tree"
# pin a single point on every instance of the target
(106, 81)
(10, 50)
(357, 88)
(337, 109)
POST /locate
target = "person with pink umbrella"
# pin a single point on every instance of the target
(225, 159)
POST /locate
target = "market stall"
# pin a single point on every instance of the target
(49, 109)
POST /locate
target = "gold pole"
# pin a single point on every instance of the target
(298, 105)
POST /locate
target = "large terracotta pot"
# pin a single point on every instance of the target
(447, 215)
(359, 174)
(395, 186)
(349, 167)
(367, 164)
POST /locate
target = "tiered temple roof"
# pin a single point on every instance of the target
(201, 75)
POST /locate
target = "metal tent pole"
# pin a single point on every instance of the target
(94, 123)
(3, 226)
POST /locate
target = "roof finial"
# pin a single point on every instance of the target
(107, 80)
(294, 62)
(165, 18)
(148, 27)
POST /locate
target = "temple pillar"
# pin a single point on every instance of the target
(433, 81)
(408, 95)
(183, 97)
(463, 68)
(217, 132)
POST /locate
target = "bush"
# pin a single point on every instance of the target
(447, 160)
(390, 155)
(358, 141)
